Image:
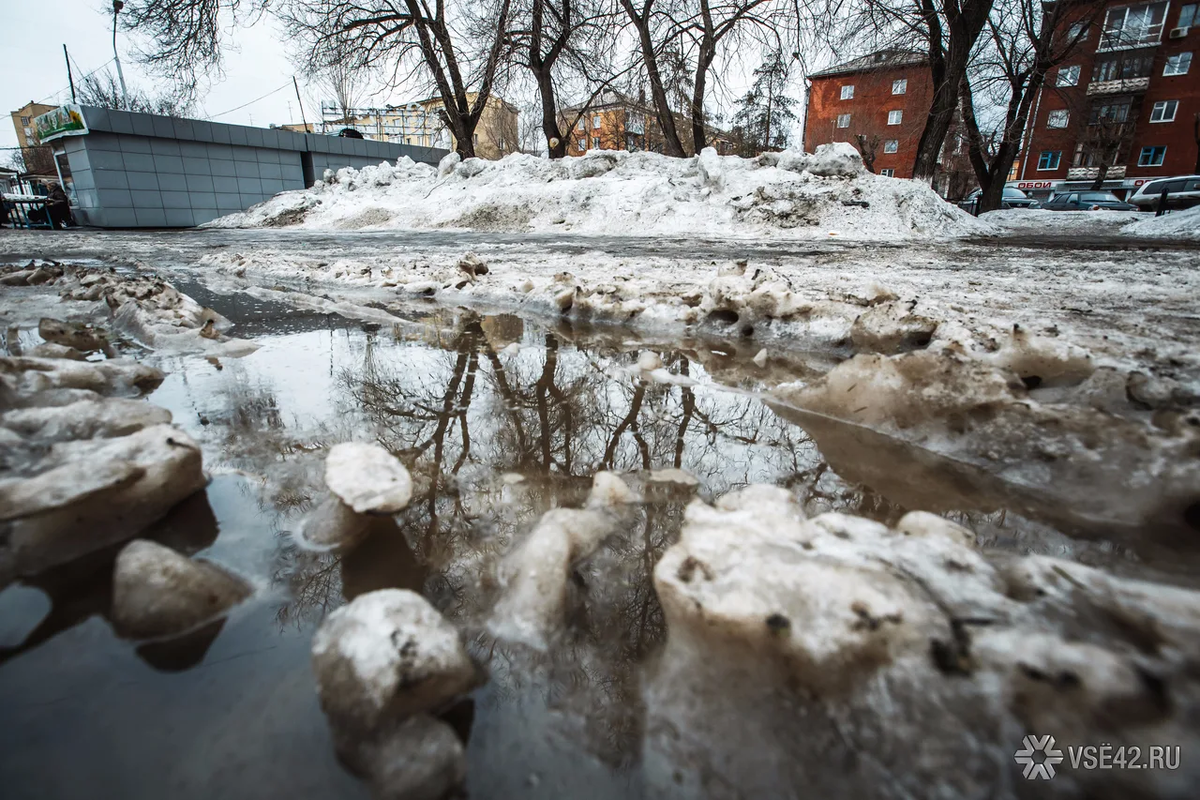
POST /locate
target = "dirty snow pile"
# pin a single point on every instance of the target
(1177, 225)
(784, 195)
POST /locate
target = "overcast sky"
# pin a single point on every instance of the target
(34, 68)
(255, 64)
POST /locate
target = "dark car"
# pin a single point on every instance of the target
(1087, 201)
(1013, 198)
(349, 133)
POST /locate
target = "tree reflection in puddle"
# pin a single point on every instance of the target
(494, 437)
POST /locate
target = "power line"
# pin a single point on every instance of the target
(82, 78)
(252, 102)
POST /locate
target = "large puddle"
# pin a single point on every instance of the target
(494, 436)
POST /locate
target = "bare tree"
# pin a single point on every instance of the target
(713, 22)
(565, 42)
(459, 50)
(648, 23)
(868, 148)
(102, 89)
(186, 37)
(332, 69)
(35, 160)
(1026, 40)
(947, 30)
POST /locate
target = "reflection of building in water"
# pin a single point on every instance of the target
(420, 123)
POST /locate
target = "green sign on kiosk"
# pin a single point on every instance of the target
(63, 121)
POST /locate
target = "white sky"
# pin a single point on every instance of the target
(256, 63)
(35, 31)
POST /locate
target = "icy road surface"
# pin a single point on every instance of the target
(1130, 302)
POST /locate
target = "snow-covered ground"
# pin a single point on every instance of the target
(788, 195)
(1130, 308)
(1176, 225)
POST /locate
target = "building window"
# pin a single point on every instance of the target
(595, 120)
(843, 121)
(583, 144)
(895, 117)
(1164, 111)
(1133, 25)
(1058, 118)
(888, 173)
(1049, 160)
(891, 146)
(1124, 66)
(1178, 64)
(1068, 76)
(595, 142)
(848, 91)
(25, 121)
(1152, 156)
(1117, 111)
(900, 86)
(1187, 16)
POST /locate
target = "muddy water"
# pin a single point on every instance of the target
(494, 438)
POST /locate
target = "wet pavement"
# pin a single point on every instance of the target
(493, 439)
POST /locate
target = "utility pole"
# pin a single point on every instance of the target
(70, 78)
(117, 6)
(296, 84)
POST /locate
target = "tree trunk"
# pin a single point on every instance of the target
(699, 137)
(1196, 133)
(1101, 174)
(704, 59)
(550, 127)
(672, 146)
(948, 66)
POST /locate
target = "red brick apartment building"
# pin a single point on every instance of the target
(1128, 99)
(618, 122)
(878, 103)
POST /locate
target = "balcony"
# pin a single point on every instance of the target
(1144, 36)
(1119, 86)
(1090, 173)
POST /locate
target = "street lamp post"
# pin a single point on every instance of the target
(117, 6)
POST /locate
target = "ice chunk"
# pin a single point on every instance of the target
(367, 478)
(838, 159)
(536, 575)
(648, 361)
(448, 163)
(420, 759)
(890, 328)
(1040, 361)
(857, 640)
(100, 418)
(385, 656)
(158, 592)
(150, 471)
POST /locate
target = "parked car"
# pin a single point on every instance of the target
(350, 133)
(1183, 191)
(1087, 201)
(1013, 198)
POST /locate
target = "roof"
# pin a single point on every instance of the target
(880, 59)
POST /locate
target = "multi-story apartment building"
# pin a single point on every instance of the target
(618, 122)
(38, 159)
(1123, 110)
(420, 123)
(878, 103)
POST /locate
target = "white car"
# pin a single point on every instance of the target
(1183, 191)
